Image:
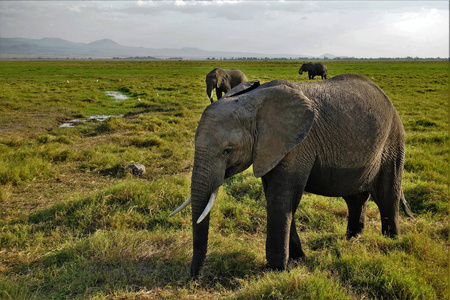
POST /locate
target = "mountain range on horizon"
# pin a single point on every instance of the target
(107, 48)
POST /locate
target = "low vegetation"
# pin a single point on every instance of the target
(75, 223)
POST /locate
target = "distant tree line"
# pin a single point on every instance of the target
(327, 58)
(390, 58)
(137, 58)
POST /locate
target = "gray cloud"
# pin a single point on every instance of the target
(354, 28)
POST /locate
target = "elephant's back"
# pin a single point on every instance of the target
(347, 90)
(322, 66)
(349, 77)
(345, 94)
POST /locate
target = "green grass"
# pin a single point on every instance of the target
(75, 223)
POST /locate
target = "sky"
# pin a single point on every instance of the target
(368, 29)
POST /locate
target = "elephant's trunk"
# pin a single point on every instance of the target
(202, 189)
(209, 89)
(200, 237)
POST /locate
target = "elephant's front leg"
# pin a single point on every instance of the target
(218, 93)
(282, 240)
(278, 230)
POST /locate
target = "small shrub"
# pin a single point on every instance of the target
(5, 192)
(43, 139)
(112, 124)
(146, 141)
(64, 139)
(118, 171)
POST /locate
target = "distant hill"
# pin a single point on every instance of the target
(105, 43)
(106, 48)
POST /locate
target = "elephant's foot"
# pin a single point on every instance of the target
(292, 263)
(353, 233)
(270, 268)
(298, 259)
(296, 255)
(195, 274)
(295, 262)
(390, 228)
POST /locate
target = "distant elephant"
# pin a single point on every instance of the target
(314, 69)
(223, 80)
(338, 137)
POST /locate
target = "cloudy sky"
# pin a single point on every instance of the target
(348, 28)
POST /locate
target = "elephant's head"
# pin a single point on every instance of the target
(258, 127)
(214, 79)
(306, 67)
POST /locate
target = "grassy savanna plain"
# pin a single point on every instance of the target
(76, 224)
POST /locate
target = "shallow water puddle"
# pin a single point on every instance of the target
(118, 96)
(99, 118)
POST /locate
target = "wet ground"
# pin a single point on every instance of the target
(118, 96)
(98, 118)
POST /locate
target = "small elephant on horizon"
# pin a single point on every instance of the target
(223, 80)
(314, 69)
(340, 137)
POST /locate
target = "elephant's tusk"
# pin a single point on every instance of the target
(208, 206)
(181, 206)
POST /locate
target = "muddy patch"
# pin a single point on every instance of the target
(93, 119)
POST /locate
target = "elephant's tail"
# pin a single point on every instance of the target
(406, 207)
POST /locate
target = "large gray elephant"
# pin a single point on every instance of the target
(314, 69)
(338, 137)
(223, 80)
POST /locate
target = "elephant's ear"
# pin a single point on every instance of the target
(242, 89)
(284, 117)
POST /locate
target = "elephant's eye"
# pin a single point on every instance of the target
(227, 151)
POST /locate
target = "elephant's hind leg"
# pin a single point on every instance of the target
(357, 205)
(387, 197)
(295, 248)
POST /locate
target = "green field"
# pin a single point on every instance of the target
(76, 224)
